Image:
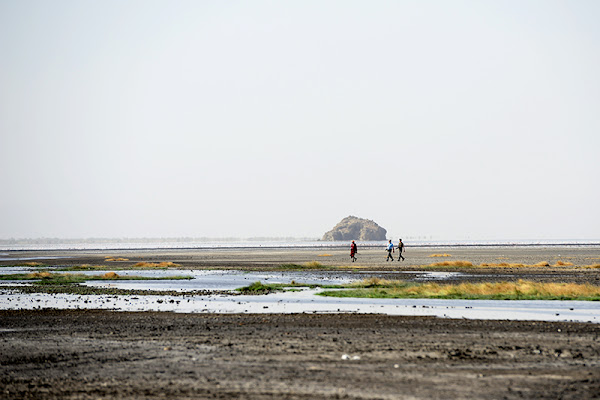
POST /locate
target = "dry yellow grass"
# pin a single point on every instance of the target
(110, 275)
(116, 259)
(164, 264)
(515, 265)
(313, 264)
(457, 263)
(324, 255)
(440, 255)
(374, 282)
(525, 288)
(39, 275)
(592, 266)
(506, 265)
(542, 264)
(88, 266)
(353, 266)
(560, 263)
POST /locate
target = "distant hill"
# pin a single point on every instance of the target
(354, 228)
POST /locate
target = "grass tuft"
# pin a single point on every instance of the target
(83, 267)
(33, 264)
(440, 255)
(560, 263)
(307, 265)
(313, 264)
(516, 265)
(40, 275)
(163, 264)
(520, 290)
(256, 288)
(457, 263)
(376, 282)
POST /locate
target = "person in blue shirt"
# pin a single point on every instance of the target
(390, 250)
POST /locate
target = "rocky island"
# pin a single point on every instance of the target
(354, 228)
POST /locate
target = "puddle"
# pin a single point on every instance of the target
(214, 280)
(421, 275)
(14, 283)
(28, 258)
(304, 301)
(307, 302)
(16, 270)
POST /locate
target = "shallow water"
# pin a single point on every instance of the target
(305, 301)
(216, 280)
(27, 258)
(226, 280)
(308, 302)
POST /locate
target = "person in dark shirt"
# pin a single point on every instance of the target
(400, 250)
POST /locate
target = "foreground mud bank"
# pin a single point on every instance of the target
(102, 354)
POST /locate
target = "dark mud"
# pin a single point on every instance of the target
(100, 354)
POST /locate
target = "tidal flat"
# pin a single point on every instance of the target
(261, 347)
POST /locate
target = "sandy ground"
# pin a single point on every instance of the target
(103, 354)
(369, 259)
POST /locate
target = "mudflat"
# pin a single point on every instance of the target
(89, 354)
(101, 354)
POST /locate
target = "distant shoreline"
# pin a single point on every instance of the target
(166, 246)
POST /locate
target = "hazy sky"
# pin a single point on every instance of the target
(450, 119)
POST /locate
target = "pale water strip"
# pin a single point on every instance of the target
(307, 301)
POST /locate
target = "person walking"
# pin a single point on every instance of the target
(353, 251)
(400, 250)
(390, 250)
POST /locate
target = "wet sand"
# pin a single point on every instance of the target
(102, 354)
(369, 259)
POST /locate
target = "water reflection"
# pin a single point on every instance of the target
(218, 280)
(305, 301)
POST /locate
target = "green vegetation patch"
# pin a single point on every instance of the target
(305, 266)
(51, 278)
(261, 288)
(90, 290)
(520, 290)
(137, 266)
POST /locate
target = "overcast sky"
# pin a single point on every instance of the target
(446, 119)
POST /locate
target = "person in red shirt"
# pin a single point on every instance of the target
(353, 251)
